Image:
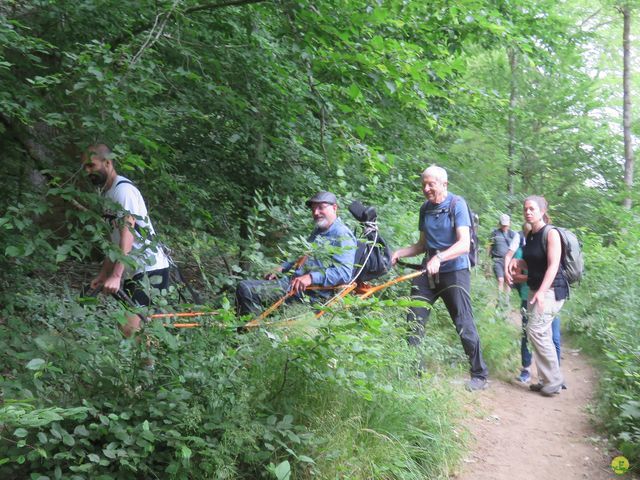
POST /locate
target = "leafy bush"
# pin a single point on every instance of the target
(603, 311)
(336, 397)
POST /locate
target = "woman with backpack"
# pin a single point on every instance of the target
(548, 289)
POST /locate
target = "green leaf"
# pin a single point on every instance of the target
(20, 432)
(283, 471)
(13, 251)
(109, 453)
(36, 364)
(354, 91)
(185, 452)
(377, 42)
(68, 440)
(390, 85)
(81, 430)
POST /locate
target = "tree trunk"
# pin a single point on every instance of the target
(626, 106)
(511, 123)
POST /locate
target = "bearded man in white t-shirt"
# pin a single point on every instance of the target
(132, 232)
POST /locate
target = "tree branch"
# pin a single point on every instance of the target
(198, 8)
(588, 19)
(150, 39)
(229, 3)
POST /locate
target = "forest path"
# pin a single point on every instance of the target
(521, 435)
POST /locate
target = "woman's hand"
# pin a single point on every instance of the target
(538, 301)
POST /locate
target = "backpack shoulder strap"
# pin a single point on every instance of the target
(423, 207)
(545, 234)
(423, 212)
(125, 181)
(452, 210)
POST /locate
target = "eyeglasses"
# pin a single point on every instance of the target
(320, 206)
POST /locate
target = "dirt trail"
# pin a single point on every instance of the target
(521, 435)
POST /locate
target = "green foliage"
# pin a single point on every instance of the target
(228, 118)
(78, 402)
(602, 310)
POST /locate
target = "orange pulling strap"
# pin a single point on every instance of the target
(345, 291)
(183, 314)
(256, 321)
(377, 288)
(362, 289)
(182, 325)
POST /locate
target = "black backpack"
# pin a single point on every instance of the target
(473, 229)
(373, 256)
(186, 292)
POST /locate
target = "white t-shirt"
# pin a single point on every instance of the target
(147, 256)
(515, 242)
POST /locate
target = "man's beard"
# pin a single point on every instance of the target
(322, 223)
(98, 178)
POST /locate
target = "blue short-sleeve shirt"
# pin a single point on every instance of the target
(338, 269)
(435, 222)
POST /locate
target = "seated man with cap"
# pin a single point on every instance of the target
(334, 268)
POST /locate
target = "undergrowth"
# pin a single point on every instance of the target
(603, 316)
(337, 398)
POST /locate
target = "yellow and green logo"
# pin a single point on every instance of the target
(620, 465)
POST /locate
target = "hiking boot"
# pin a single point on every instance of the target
(524, 377)
(536, 387)
(477, 383)
(549, 391)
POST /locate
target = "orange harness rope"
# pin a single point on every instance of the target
(363, 291)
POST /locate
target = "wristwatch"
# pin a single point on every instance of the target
(439, 256)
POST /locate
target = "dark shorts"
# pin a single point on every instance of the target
(137, 287)
(498, 267)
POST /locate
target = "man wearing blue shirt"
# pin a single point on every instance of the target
(445, 238)
(334, 268)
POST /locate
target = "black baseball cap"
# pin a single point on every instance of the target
(322, 197)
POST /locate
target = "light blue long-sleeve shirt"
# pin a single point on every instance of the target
(340, 240)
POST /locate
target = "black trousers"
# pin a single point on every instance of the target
(134, 287)
(252, 296)
(454, 289)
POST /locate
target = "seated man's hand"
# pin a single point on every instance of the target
(97, 282)
(394, 257)
(299, 284)
(274, 274)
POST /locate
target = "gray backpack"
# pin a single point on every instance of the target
(571, 259)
